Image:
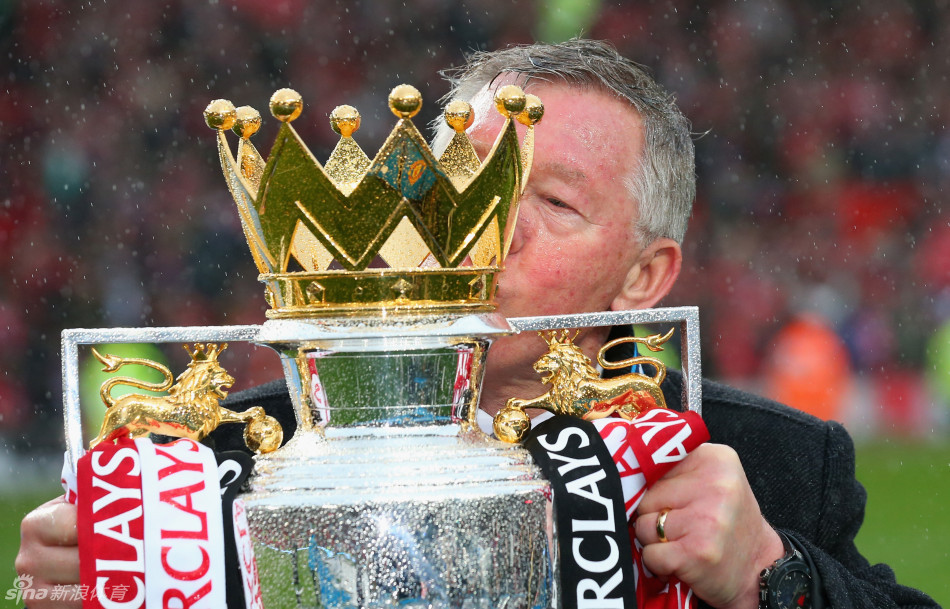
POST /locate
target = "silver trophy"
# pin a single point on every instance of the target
(381, 276)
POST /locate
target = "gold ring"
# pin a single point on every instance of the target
(661, 525)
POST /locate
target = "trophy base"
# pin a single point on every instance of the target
(428, 516)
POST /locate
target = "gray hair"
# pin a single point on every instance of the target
(664, 183)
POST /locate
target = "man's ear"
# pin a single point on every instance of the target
(651, 277)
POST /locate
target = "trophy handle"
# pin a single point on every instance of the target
(72, 338)
(686, 317)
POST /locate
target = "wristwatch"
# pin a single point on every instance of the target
(787, 583)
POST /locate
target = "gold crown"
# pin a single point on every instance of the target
(401, 233)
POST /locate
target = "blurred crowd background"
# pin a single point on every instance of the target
(819, 250)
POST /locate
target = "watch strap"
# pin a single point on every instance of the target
(791, 553)
(818, 597)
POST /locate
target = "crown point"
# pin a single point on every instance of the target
(405, 101)
(510, 100)
(345, 120)
(220, 114)
(533, 110)
(247, 122)
(459, 115)
(286, 105)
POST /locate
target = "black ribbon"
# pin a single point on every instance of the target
(594, 544)
(233, 469)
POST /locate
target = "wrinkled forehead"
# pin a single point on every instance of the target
(576, 112)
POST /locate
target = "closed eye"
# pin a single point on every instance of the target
(558, 203)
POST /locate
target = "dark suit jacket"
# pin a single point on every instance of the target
(800, 468)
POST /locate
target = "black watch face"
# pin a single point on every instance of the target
(791, 589)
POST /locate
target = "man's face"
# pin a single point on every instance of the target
(574, 243)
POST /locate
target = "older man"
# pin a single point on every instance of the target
(599, 228)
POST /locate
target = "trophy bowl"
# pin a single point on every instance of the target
(388, 494)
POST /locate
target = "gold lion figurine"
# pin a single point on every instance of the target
(577, 389)
(190, 410)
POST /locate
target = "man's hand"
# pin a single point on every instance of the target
(718, 541)
(49, 551)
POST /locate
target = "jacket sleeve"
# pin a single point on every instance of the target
(846, 578)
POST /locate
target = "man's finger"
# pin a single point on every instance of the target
(667, 493)
(649, 525)
(685, 484)
(52, 524)
(52, 564)
(663, 559)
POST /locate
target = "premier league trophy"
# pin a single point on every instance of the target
(380, 275)
(387, 494)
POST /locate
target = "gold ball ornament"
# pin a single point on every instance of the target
(286, 105)
(511, 425)
(533, 110)
(405, 101)
(263, 435)
(220, 114)
(248, 121)
(459, 115)
(510, 100)
(345, 120)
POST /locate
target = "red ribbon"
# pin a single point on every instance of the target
(644, 450)
(111, 525)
